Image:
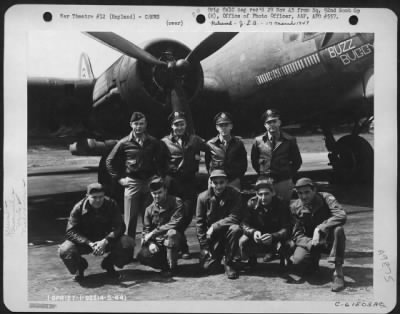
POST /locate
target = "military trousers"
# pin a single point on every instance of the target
(249, 248)
(120, 253)
(136, 198)
(222, 244)
(309, 257)
(185, 189)
(167, 255)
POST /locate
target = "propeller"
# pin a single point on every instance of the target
(126, 47)
(209, 45)
(180, 103)
(169, 74)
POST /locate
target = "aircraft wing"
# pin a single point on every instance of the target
(56, 104)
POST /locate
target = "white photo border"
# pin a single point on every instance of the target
(21, 19)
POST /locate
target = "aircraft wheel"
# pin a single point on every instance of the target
(354, 161)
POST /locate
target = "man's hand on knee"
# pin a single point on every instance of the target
(210, 232)
(99, 247)
(147, 237)
(266, 239)
(205, 253)
(316, 237)
(153, 248)
(123, 181)
(257, 237)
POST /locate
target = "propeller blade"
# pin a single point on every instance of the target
(168, 100)
(125, 46)
(327, 38)
(179, 103)
(209, 45)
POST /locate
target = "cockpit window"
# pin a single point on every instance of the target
(308, 36)
(289, 37)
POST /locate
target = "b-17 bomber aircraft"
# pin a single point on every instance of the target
(322, 79)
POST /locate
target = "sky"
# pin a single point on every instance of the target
(56, 54)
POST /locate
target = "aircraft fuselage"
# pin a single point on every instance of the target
(301, 74)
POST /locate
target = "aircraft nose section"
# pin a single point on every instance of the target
(157, 81)
(368, 37)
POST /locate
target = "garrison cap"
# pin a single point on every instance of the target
(304, 182)
(218, 173)
(156, 184)
(94, 188)
(271, 114)
(223, 117)
(176, 116)
(265, 182)
(137, 116)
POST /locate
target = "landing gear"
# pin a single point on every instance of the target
(351, 157)
(353, 160)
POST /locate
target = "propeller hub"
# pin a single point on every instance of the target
(171, 65)
(159, 80)
(182, 66)
(163, 77)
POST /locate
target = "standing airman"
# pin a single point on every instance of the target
(133, 162)
(276, 154)
(227, 152)
(183, 164)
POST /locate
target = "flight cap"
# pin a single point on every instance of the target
(218, 173)
(265, 182)
(176, 116)
(156, 184)
(95, 188)
(304, 182)
(137, 116)
(271, 114)
(222, 117)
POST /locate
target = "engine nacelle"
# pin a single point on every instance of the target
(130, 85)
(91, 147)
(153, 81)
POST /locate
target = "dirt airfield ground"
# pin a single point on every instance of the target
(52, 194)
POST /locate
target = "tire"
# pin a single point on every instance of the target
(354, 162)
